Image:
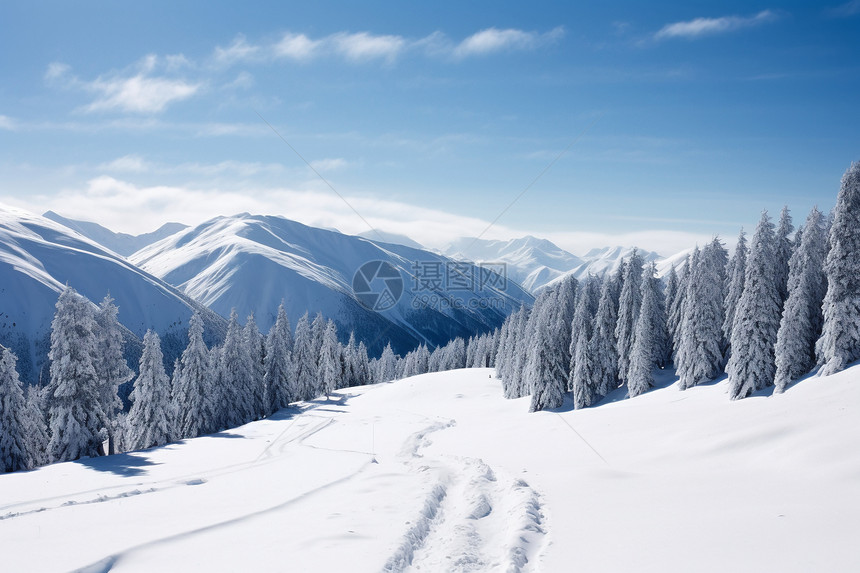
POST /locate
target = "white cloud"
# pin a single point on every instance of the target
(7, 122)
(364, 46)
(239, 50)
(296, 47)
(494, 40)
(127, 207)
(329, 164)
(136, 90)
(126, 164)
(846, 10)
(139, 94)
(710, 26)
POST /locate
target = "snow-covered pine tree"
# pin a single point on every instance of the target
(15, 451)
(752, 365)
(517, 387)
(839, 344)
(75, 412)
(783, 251)
(362, 365)
(111, 368)
(35, 426)
(581, 325)
(304, 361)
(629, 304)
(564, 307)
(801, 321)
(700, 357)
(278, 376)
(195, 411)
(330, 370)
(234, 375)
(505, 352)
(602, 348)
(670, 291)
(650, 339)
(256, 350)
(675, 311)
(545, 374)
(149, 416)
(735, 287)
(386, 366)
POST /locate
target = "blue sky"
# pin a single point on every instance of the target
(682, 120)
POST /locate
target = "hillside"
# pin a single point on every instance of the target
(38, 257)
(439, 473)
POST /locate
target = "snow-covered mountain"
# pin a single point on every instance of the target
(38, 257)
(120, 243)
(536, 263)
(251, 263)
(392, 238)
(530, 261)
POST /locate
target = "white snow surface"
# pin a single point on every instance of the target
(439, 473)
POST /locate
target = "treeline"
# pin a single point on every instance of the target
(247, 378)
(784, 304)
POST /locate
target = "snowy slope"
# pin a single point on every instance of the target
(468, 481)
(379, 236)
(530, 261)
(38, 257)
(120, 243)
(252, 262)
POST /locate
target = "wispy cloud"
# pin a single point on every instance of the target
(846, 10)
(138, 90)
(329, 164)
(7, 123)
(493, 40)
(361, 47)
(700, 27)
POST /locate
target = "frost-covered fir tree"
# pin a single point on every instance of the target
(362, 365)
(783, 250)
(670, 291)
(234, 375)
(563, 309)
(76, 417)
(149, 417)
(752, 366)
(386, 366)
(331, 373)
(545, 374)
(675, 311)
(629, 304)
(195, 411)
(15, 451)
(278, 376)
(839, 344)
(602, 347)
(255, 348)
(700, 357)
(581, 325)
(735, 287)
(304, 361)
(650, 338)
(36, 428)
(801, 321)
(111, 368)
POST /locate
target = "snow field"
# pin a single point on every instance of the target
(467, 481)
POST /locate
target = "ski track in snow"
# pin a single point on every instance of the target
(470, 520)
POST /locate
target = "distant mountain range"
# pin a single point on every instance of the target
(536, 263)
(120, 243)
(251, 263)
